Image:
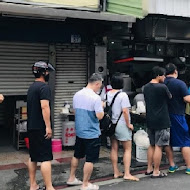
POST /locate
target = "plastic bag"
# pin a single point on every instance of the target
(141, 138)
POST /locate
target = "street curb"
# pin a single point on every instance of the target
(109, 180)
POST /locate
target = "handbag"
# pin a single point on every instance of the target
(111, 129)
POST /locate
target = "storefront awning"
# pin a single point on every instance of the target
(34, 11)
(136, 8)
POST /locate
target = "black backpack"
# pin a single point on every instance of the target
(106, 125)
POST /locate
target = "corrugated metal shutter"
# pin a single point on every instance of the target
(71, 75)
(16, 61)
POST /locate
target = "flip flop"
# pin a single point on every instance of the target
(75, 182)
(149, 173)
(161, 175)
(90, 187)
(131, 179)
(41, 188)
(119, 176)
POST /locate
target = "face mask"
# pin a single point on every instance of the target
(46, 77)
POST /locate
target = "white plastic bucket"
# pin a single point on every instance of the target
(68, 133)
(141, 153)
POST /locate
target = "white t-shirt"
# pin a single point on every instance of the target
(121, 101)
(104, 91)
(86, 104)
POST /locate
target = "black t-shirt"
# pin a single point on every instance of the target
(156, 98)
(37, 91)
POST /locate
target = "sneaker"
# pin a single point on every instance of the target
(172, 169)
(187, 171)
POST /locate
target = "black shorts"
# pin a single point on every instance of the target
(89, 148)
(39, 148)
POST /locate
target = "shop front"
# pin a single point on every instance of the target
(15, 77)
(67, 43)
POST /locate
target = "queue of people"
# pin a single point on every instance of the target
(165, 98)
(162, 124)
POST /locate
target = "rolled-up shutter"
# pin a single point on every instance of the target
(16, 60)
(71, 76)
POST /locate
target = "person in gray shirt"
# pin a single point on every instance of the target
(123, 130)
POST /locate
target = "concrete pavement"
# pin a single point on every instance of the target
(14, 173)
(176, 181)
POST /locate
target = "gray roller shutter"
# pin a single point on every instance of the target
(16, 61)
(71, 76)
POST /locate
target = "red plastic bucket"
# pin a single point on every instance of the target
(56, 145)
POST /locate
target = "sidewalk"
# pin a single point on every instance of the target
(14, 174)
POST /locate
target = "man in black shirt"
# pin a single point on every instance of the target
(158, 122)
(39, 125)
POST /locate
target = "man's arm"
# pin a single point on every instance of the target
(98, 107)
(46, 116)
(168, 93)
(100, 115)
(187, 98)
(1, 98)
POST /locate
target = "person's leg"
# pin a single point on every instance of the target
(127, 160)
(87, 171)
(157, 160)
(169, 154)
(150, 154)
(114, 157)
(78, 153)
(74, 165)
(46, 173)
(32, 166)
(186, 155)
(92, 155)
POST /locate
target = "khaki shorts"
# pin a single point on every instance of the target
(159, 137)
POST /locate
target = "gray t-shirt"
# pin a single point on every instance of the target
(121, 101)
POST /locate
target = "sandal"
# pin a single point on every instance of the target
(41, 188)
(90, 187)
(148, 173)
(75, 182)
(161, 175)
(133, 178)
(119, 176)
